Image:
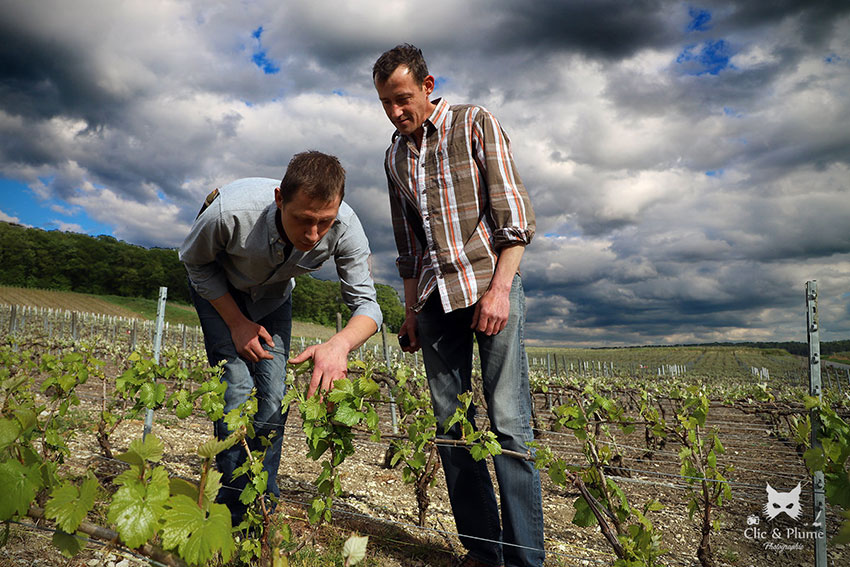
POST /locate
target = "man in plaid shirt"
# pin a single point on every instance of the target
(462, 218)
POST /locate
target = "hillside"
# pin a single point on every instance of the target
(105, 266)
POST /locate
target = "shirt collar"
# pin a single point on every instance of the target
(271, 223)
(436, 120)
(440, 114)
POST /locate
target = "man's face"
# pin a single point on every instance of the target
(306, 220)
(406, 102)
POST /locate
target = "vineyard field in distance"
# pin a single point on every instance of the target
(648, 456)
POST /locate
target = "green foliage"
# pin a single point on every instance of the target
(699, 464)
(417, 450)
(832, 459)
(327, 420)
(590, 418)
(319, 301)
(101, 265)
(68, 505)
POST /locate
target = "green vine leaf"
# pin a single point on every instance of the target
(137, 507)
(215, 446)
(9, 432)
(140, 451)
(197, 536)
(68, 505)
(69, 544)
(20, 484)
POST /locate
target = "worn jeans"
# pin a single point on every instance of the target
(267, 376)
(446, 340)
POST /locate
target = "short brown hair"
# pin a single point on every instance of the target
(405, 54)
(319, 175)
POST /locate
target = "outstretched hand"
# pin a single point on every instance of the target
(330, 363)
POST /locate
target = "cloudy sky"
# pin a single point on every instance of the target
(688, 161)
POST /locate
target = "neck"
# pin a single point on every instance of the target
(279, 225)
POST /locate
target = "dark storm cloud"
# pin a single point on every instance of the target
(688, 162)
(608, 29)
(45, 76)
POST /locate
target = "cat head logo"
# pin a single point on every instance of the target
(783, 503)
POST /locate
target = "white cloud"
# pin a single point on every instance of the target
(8, 218)
(67, 226)
(670, 206)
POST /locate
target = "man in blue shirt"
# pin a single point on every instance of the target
(251, 238)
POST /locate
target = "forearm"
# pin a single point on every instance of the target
(507, 265)
(229, 311)
(411, 287)
(358, 329)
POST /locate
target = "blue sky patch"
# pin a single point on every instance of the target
(260, 58)
(18, 201)
(699, 20)
(714, 173)
(713, 56)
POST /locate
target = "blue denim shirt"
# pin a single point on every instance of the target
(235, 242)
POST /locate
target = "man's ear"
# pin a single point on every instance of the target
(278, 199)
(428, 84)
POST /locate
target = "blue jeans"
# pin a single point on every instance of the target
(446, 340)
(267, 376)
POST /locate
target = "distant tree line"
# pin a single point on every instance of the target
(792, 347)
(103, 265)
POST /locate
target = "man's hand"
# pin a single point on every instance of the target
(409, 328)
(492, 312)
(494, 307)
(247, 336)
(330, 363)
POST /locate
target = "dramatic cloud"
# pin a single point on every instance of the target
(689, 163)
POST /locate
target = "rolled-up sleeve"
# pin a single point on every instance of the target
(352, 258)
(199, 251)
(510, 208)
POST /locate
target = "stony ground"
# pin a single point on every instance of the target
(378, 503)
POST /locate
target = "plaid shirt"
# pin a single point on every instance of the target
(455, 202)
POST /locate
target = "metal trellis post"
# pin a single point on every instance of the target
(393, 415)
(816, 390)
(157, 344)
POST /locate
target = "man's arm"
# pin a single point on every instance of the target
(245, 333)
(198, 253)
(511, 215)
(493, 309)
(409, 326)
(330, 357)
